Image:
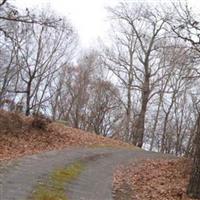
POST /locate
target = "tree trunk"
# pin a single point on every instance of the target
(28, 99)
(193, 189)
(189, 149)
(164, 134)
(163, 140)
(139, 133)
(139, 129)
(155, 124)
(128, 114)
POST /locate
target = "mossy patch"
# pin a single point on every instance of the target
(45, 192)
(67, 174)
(54, 188)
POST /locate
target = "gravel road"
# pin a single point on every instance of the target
(19, 178)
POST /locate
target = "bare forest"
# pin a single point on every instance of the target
(142, 87)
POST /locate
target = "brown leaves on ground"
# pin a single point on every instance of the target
(19, 137)
(163, 179)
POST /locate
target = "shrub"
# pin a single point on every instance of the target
(40, 121)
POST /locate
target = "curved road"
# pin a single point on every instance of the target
(19, 178)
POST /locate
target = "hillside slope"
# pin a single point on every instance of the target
(19, 136)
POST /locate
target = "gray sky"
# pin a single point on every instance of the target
(88, 16)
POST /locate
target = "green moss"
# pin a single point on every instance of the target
(67, 174)
(45, 192)
(54, 188)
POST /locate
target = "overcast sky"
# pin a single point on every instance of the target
(88, 16)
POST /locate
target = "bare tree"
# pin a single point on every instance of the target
(72, 93)
(119, 60)
(186, 26)
(41, 52)
(143, 28)
(104, 108)
(8, 69)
